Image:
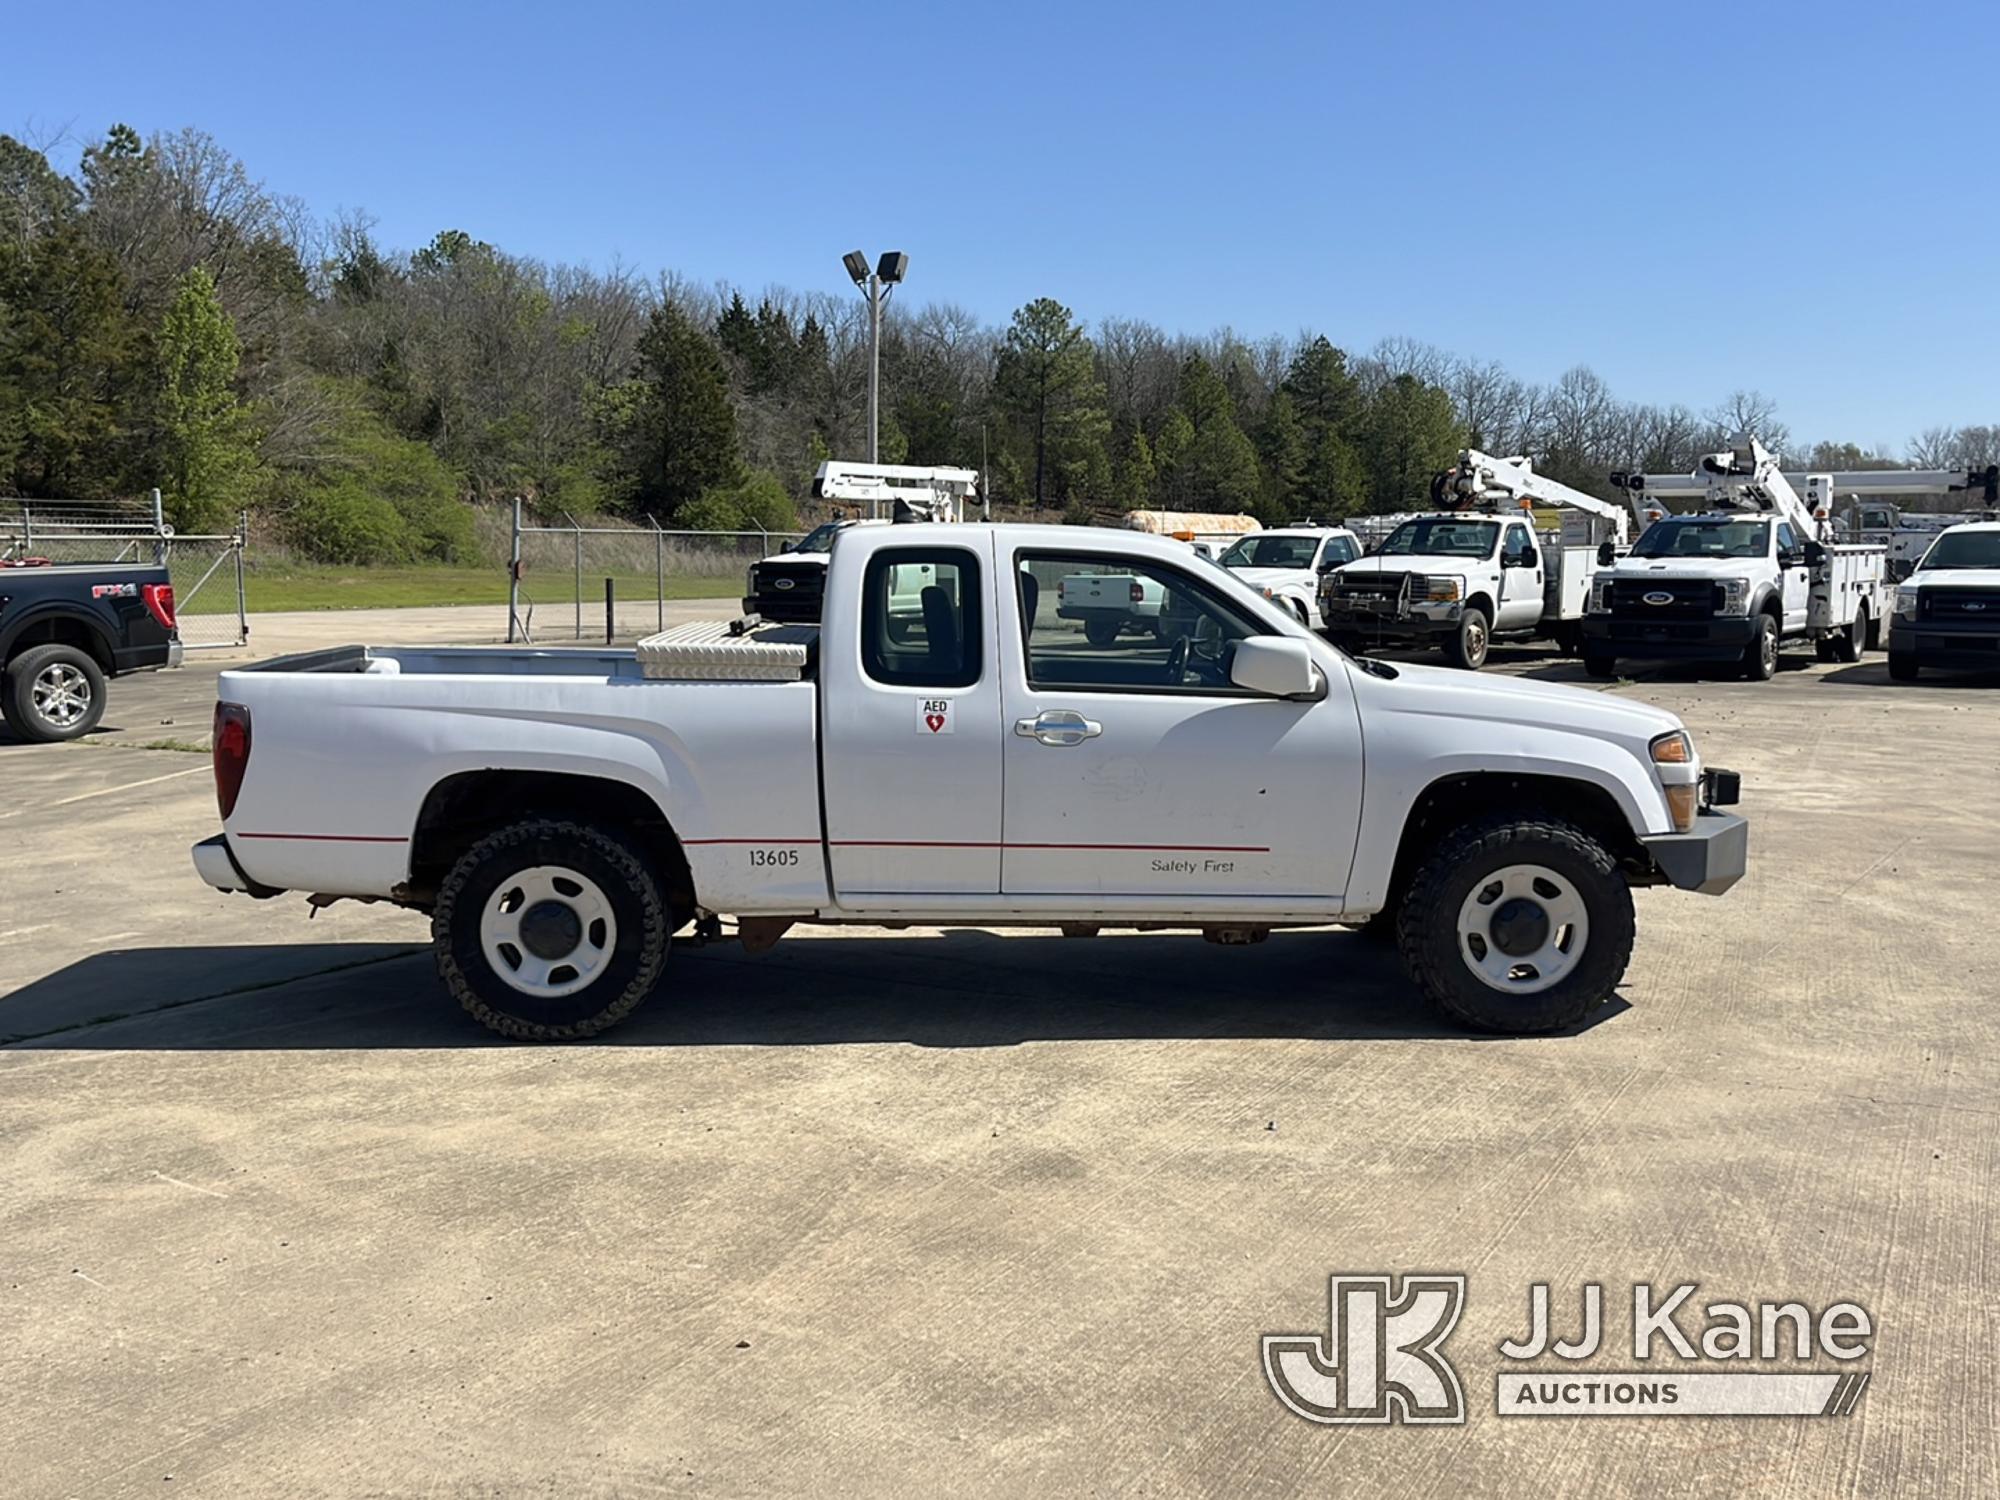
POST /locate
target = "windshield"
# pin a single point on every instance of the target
(1272, 552)
(819, 539)
(1965, 549)
(1443, 538)
(1704, 538)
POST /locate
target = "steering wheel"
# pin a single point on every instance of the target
(1175, 671)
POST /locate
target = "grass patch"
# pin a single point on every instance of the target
(304, 586)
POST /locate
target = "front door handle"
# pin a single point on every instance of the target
(1059, 726)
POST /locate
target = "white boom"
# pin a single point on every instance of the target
(931, 494)
(1479, 479)
(1748, 478)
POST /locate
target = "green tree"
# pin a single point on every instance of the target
(205, 448)
(1218, 469)
(69, 355)
(1047, 379)
(1412, 434)
(1281, 448)
(1136, 474)
(34, 197)
(673, 430)
(1328, 403)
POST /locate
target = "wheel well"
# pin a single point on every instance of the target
(463, 809)
(1457, 800)
(1483, 604)
(64, 630)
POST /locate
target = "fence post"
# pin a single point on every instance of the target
(659, 571)
(159, 531)
(514, 577)
(27, 529)
(578, 530)
(242, 600)
(610, 611)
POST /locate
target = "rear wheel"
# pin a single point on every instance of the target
(1518, 923)
(549, 930)
(1468, 648)
(53, 693)
(1101, 632)
(1851, 642)
(1760, 657)
(1903, 666)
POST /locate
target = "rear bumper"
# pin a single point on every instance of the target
(1720, 638)
(175, 652)
(1710, 859)
(1952, 646)
(216, 863)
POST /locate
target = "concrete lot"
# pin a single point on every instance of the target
(949, 1212)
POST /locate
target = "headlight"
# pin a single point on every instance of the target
(1735, 596)
(1906, 601)
(1679, 771)
(1444, 590)
(1600, 596)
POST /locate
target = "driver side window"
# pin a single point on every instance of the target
(1119, 624)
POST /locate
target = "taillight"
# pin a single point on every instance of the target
(231, 753)
(1138, 593)
(159, 599)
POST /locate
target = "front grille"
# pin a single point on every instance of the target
(1962, 606)
(788, 592)
(1374, 590)
(1649, 599)
(1658, 630)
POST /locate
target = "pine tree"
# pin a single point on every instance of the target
(674, 430)
(1281, 447)
(1047, 378)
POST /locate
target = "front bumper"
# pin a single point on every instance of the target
(1947, 645)
(216, 863)
(1718, 638)
(1710, 859)
(1419, 622)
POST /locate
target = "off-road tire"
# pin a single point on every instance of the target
(1427, 924)
(1760, 657)
(1903, 666)
(1468, 647)
(1101, 633)
(617, 866)
(17, 697)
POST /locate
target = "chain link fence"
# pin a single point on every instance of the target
(206, 571)
(569, 582)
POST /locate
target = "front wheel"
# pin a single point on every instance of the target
(1603, 668)
(1760, 657)
(1468, 648)
(550, 931)
(53, 693)
(1518, 924)
(1903, 666)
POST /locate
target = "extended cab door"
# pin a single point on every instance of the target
(1137, 776)
(910, 717)
(1520, 578)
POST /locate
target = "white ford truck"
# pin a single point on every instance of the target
(563, 814)
(1947, 613)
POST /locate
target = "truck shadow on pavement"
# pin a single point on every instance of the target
(962, 988)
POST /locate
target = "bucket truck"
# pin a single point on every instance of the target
(1476, 569)
(1758, 568)
(787, 587)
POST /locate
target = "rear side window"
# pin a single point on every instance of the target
(920, 617)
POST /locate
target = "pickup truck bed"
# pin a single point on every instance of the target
(986, 762)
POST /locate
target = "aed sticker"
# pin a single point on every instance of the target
(934, 716)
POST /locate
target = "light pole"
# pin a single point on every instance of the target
(875, 286)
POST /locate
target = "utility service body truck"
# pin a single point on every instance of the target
(561, 814)
(1477, 569)
(1755, 570)
(1947, 612)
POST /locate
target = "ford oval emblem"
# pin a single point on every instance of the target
(1659, 596)
(781, 583)
(1973, 604)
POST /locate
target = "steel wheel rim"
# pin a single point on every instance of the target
(1475, 639)
(522, 927)
(61, 694)
(1482, 930)
(1767, 647)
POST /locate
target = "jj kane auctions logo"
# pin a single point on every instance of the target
(1382, 1357)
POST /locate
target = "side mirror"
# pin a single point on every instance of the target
(1815, 554)
(1277, 666)
(1606, 554)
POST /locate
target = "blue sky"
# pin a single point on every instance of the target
(1690, 198)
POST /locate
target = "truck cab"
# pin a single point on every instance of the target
(1947, 612)
(1455, 579)
(1286, 564)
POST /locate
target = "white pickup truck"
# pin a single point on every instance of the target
(562, 814)
(1947, 613)
(1286, 566)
